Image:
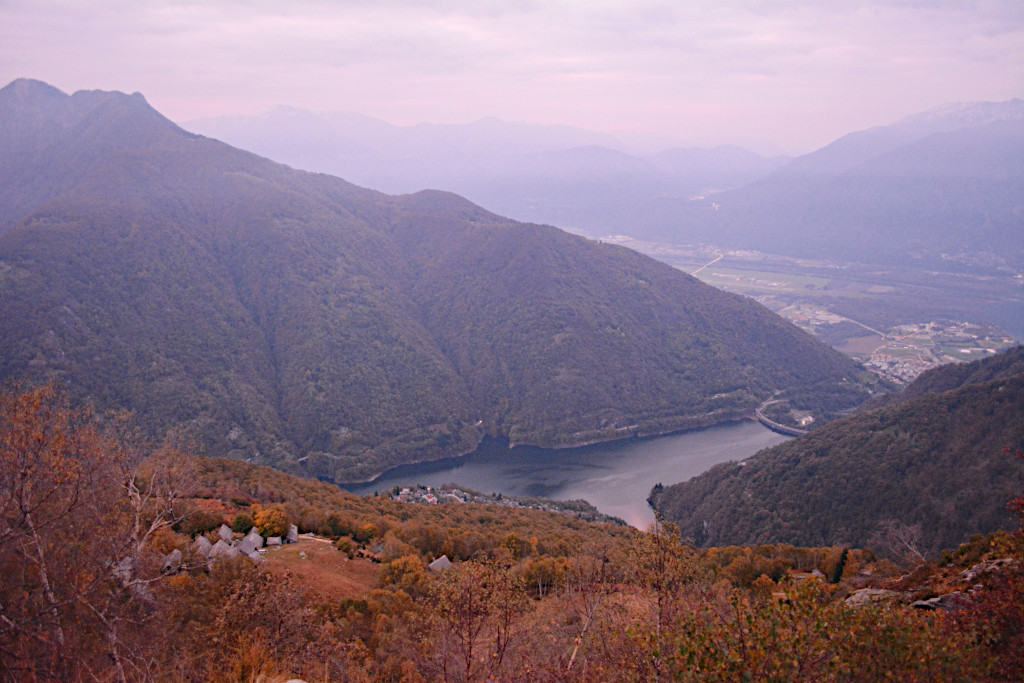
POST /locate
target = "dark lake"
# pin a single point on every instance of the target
(614, 477)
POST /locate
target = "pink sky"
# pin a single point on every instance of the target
(786, 75)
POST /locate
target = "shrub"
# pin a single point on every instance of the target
(346, 545)
(242, 523)
(199, 522)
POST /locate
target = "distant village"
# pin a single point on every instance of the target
(908, 350)
(903, 352)
(449, 493)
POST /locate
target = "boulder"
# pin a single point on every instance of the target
(869, 596)
(981, 569)
(950, 602)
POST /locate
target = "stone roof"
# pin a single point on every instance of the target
(173, 560)
(440, 564)
(202, 545)
(255, 537)
(220, 548)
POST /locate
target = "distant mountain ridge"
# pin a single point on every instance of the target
(935, 189)
(297, 320)
(386, 157)
(569, 177)
(940, 455)
(859, 147)
(930, 190)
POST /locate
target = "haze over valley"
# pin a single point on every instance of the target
(348, 332)
(449, 341)
(918, 221)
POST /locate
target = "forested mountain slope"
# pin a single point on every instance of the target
(937, 459)
(301, 321)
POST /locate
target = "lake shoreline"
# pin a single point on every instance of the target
(615, 477)
(634, 434)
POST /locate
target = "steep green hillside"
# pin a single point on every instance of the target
(300, 321)
(936, 459)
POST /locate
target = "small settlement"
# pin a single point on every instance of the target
(449, 493)
(252, 546)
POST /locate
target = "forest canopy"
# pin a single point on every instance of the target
(88, 525)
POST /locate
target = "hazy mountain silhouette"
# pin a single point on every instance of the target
(933, 188)
(554, 174)
(929, 189)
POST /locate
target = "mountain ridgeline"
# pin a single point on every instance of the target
(939, 455)
(944, 188)
(548, 174)
(298, 320)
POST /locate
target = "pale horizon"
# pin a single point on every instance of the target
(783, 76)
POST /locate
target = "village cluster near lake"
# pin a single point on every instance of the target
(449, 493)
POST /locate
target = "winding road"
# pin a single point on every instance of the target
(720, 257)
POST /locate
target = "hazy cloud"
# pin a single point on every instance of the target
(797, 73)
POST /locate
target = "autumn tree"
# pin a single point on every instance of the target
(77, 515)
(270, 521)
(664, 565)
(407, 573)
(587, 581)
(476, 612)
